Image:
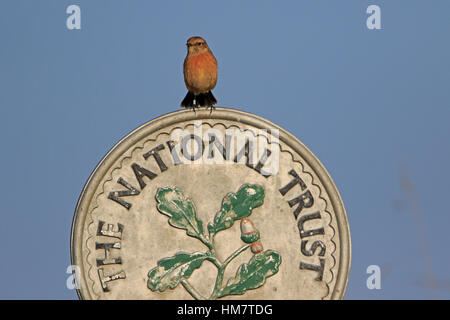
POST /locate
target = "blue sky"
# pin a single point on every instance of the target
(373, 105)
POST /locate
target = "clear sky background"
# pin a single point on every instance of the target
(373, 105)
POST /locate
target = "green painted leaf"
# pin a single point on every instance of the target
(180, 210)
(254, 274)
(236, 206)
(170, 271)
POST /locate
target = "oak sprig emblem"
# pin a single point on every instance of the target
(172, 271)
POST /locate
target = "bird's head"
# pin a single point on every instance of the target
(197, 45)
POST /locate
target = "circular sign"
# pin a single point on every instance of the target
(210, 205)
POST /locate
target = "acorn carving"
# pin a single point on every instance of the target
(256, 247)
(249, 234)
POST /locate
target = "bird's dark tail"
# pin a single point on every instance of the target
(198, 100)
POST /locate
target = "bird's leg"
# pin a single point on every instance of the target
(195, 104)
(211, 108)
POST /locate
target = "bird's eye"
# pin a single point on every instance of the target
(199, 43)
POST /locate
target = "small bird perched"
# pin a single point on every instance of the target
(200, 74)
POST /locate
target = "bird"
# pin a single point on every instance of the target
(200, 74)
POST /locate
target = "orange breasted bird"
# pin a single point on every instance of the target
(200, 74)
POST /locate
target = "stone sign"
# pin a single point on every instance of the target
(201, 205)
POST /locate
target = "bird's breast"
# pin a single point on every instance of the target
(200, 72)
